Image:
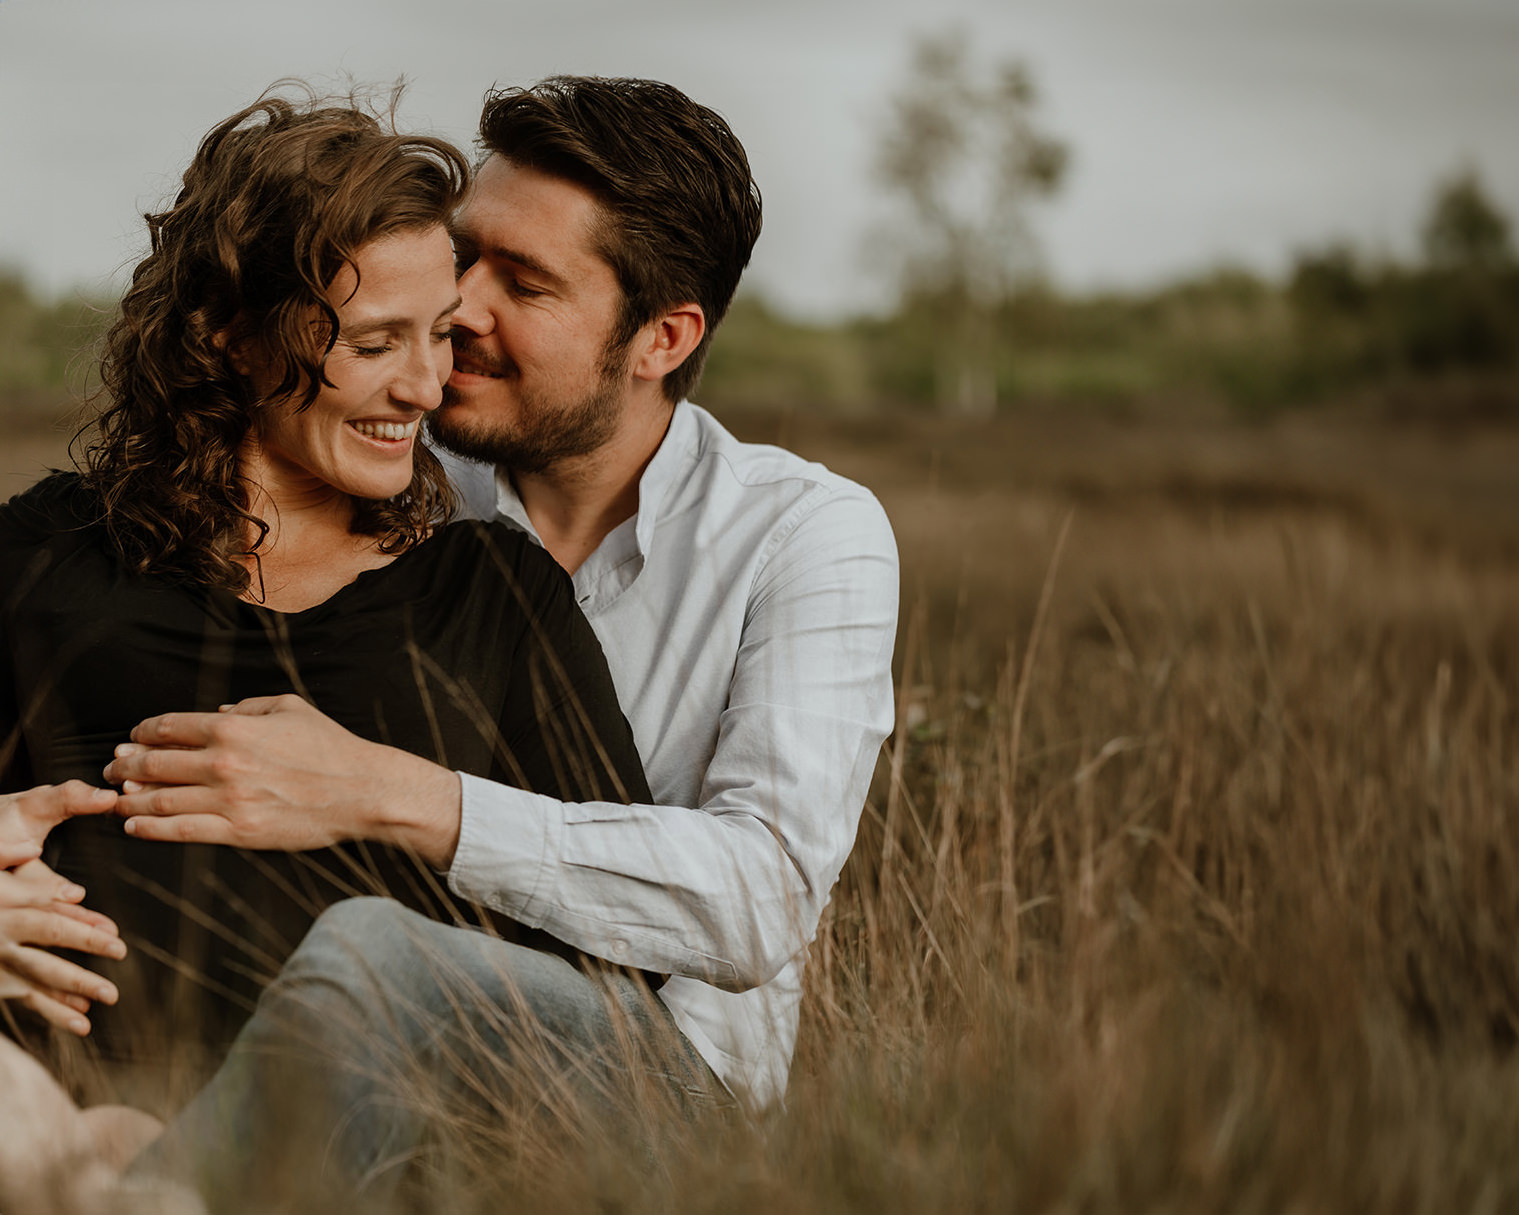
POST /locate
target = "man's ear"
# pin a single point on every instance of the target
(664, 344)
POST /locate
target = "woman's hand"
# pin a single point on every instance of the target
(40, 911)
(26, 818)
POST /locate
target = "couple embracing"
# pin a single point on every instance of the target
(595, 695)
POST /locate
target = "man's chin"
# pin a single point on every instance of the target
(453, 432)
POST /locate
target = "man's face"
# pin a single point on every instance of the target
(534, 380)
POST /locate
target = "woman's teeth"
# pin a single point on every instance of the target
(384, 430)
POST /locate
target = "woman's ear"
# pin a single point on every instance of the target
(237, 355)
(236, 346)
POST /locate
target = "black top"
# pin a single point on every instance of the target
(468, 650)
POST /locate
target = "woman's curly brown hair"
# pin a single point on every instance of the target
(277, 200)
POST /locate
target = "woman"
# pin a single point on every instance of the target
(256, 516)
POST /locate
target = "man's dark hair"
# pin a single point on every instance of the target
(681, 212)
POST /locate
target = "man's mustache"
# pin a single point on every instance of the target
(470, 351)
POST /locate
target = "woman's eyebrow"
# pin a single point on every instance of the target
(392, 322)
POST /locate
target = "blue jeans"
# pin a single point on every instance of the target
(390, 1041)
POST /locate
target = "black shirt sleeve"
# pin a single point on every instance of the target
(23, 523)
(15, 763)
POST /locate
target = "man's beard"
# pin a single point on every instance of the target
(545, 432)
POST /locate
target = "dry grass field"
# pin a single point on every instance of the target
(1188, 882)
(1192, 888)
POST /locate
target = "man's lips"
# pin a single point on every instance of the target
(468, 363)
(460, 372)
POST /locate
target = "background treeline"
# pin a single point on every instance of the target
(48, 350)
(1437, 334)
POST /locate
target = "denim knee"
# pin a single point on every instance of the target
(352, 965)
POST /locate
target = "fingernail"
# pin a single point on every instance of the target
(127, 748)
(130, 826)
(106, 994)
(131, 786)
(224, 708)
(103, 795)
(117, 949)
(80, 1026)
(71, 892)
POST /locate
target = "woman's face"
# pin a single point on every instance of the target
(387, 370)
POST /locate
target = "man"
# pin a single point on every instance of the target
(746, 601)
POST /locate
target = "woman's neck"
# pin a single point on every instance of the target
(310, 551)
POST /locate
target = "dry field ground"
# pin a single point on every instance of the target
(1188, 881)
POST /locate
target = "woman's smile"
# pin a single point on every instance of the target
(388, 434)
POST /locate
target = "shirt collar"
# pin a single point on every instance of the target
(620, 557)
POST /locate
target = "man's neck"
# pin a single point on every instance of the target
(577, 502)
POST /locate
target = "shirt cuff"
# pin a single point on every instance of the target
(506, 837)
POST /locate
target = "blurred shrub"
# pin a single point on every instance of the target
(1457, 312)
(47, 352)
(761, 358)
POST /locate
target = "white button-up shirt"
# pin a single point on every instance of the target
(748, 612)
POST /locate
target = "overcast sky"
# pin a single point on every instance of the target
(1202, 130)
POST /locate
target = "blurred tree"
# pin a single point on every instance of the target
(46, 351)
(961, 153)
(1465, 230)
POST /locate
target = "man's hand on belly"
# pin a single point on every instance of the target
(275, 773)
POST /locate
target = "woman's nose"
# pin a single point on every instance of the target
(421, 383)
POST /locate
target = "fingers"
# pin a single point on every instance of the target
(13, 854)
(34, 884)
(85, 916)
(15, 894)
(199, 729)
(12, 987)
(139, 769)
(170, 827)
(75, 798)
(258, 706)
(43, 971)
(55, 1009)
(171, 801)
(28, 816)
(24, 926)
(176, 730)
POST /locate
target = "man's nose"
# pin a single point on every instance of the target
(473, 314)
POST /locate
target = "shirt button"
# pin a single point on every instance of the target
(619, 949)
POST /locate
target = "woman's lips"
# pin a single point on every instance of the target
(392, 432)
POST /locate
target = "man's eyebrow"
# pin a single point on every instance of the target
(528, 262)
(380, 324)
(466, 242)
